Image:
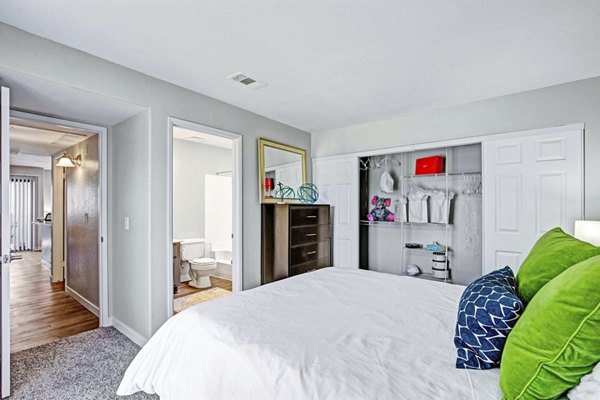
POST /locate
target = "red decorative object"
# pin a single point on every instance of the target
(269, 183)
(269, 186)
(430, 165)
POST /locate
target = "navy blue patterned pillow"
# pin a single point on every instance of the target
(488, 310)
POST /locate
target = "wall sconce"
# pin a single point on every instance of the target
(588, 231)
(68, 161)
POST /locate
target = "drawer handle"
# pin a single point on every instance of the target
(311, 234)
(310, 253)
(311, 216)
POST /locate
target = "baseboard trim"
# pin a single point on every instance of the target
(83, 301)
(129, 332)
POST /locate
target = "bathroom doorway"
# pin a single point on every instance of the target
(205, 214)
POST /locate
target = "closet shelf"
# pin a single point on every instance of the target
(430, 277)
(442, 175)
(424, 250)
(399, 223)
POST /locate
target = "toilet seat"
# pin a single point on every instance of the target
(203, 263)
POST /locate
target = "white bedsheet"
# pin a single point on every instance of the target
(330, 334)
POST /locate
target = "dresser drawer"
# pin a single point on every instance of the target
(300, 216)
(310, 266)
(309, 234)
(309, 252)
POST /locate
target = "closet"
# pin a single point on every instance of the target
(508, 189)
(437, 220)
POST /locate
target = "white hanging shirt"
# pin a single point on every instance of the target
(401, 212)
(386, 182)
(417, 206)
(440, 206)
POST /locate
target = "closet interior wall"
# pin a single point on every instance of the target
(382, 244)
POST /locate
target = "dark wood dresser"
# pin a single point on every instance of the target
(295, 239)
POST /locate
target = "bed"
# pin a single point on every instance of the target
(334, 333)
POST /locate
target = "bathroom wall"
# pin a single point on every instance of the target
(218, 211)
(82, 220)
(191, 163)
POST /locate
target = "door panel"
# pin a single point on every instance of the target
(337, 181)
(5, 245)
(508, 203)
(531, 183)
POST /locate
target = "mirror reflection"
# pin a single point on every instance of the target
(282, 170)
(281, 167)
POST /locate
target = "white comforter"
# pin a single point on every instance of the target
(330, 334)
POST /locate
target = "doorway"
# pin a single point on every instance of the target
(58, 220)
(205, 213)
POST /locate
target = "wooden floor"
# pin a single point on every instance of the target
(41, 312)
(183, 289)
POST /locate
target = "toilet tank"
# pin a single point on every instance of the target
(192, 248)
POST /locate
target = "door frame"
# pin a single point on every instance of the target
(236, 138)
(102, 132)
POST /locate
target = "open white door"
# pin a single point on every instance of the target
(338, 181)
(5, 245)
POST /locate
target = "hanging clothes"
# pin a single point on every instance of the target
(417, 205)
(386, 182)
(440, 206)
(401, 211)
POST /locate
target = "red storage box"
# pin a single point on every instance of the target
(430, 165)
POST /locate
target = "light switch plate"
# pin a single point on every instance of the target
(126, 223)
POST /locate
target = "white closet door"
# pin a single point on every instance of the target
(338, 180)
(532, 182)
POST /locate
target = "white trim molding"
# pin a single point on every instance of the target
(83, 301)
(135, 337)
(237, 275)
(102, 133)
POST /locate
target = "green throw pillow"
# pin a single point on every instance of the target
(557, 339)
(552, 254)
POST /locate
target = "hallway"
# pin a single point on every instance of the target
(41, 312)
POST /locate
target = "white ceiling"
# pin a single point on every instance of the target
(28, 140)
(201, 138)
(330, 64)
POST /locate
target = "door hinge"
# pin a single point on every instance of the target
(5, 259)
(101, 239)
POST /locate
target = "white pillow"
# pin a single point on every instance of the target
(588, 388)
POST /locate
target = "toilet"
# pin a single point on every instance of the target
(193, 252)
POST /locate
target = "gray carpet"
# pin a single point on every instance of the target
(85, 366)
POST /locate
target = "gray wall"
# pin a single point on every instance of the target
(47, 190)
(191, 162)
(34, 56)
(557, 105)
(129, 177)
(82, 221)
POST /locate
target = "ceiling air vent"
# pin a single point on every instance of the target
(245, 80)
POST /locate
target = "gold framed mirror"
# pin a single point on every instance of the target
(280, 167)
